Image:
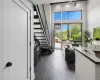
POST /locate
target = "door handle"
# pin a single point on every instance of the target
(9, 64)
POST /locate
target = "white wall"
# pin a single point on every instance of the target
(1, 40)
(82, 5)
(93, 15)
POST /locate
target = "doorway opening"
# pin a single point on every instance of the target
(58, 36)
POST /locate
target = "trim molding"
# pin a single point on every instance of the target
(27, 31)
(66, 2)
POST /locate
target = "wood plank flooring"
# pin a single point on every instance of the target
(54, 67)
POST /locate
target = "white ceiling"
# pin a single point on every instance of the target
(48, 1)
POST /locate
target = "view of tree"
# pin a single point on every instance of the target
(58, 35)
(73, 33)
(76, 32)
(96, 33)
(65, 35)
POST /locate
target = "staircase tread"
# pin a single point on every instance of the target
(41, 39)
(40, 36)
(46, 45)
(36, 16)
(37, 28)
(37, 23)
(38, 32)
(43, 42)
(34, 8)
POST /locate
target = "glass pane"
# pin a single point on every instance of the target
(57, 15)
(64, 32)
(58, 38)
(75, 15)
(64, 15)
(57, 26)
(75, 32)
(96, 33)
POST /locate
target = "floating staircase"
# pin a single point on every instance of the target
(40, 28)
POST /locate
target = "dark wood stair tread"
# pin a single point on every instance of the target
(37, 23)
(36, 16)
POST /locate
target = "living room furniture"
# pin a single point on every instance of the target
(75, 45)
(37, 51)
(69, 54)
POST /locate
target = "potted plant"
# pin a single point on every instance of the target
(87, 38)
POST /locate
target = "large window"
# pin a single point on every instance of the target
(64, 15)
(75, 15)
(72, 32)
(75, 32)
(64, 32)
(57, 16)
(68, 15)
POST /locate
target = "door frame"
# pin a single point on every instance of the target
(29, 15)
(23, 5)
(29, 6)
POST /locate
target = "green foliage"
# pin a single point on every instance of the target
(64, 38)
(86, 35)
(58, 35)
(64, 35)
(96, 33)
(74, 33)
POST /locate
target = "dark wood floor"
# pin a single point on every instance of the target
(54, 67)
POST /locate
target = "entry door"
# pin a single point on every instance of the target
(16, 43)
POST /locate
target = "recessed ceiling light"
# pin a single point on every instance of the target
(78, 5)
(58, 7)
(67, 5)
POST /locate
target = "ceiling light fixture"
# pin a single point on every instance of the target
(58, 7)
(75, 2)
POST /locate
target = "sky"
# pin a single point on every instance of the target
(73, 15)
(65, 27)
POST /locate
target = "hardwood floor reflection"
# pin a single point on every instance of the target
(54, 67)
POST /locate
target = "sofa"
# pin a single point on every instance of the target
(37, 50)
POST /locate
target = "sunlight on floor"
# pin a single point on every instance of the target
(58, 45)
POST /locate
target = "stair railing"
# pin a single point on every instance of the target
(44, 25)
